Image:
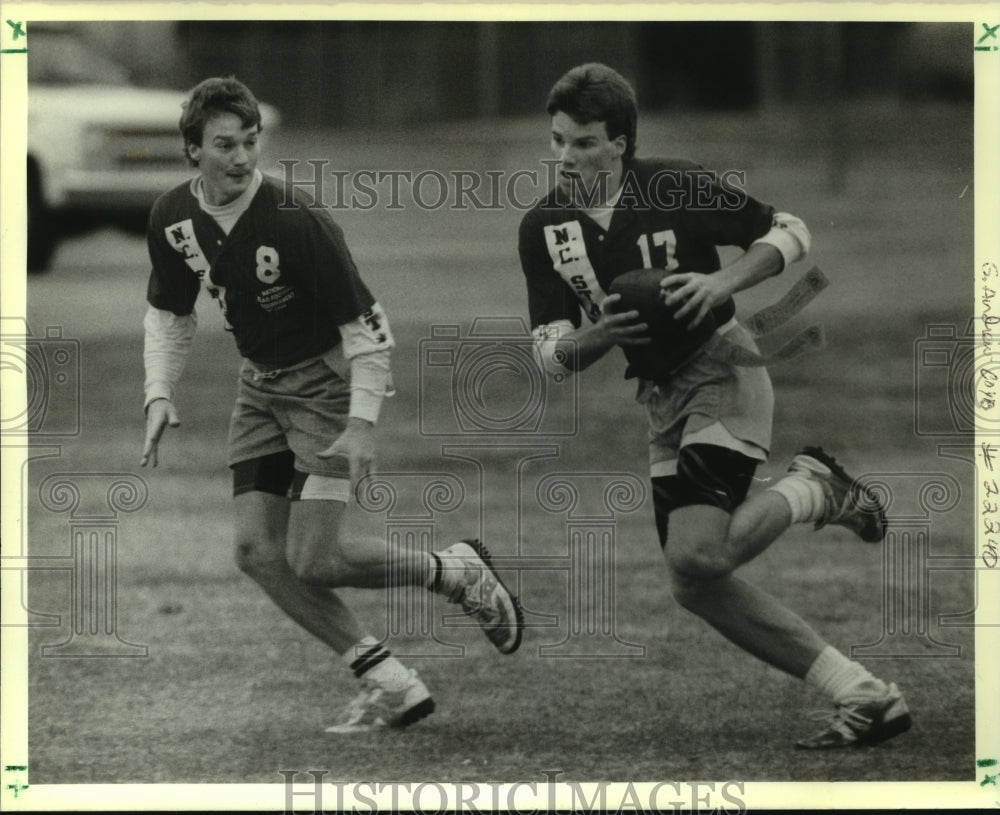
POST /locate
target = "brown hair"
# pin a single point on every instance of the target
(212, 96)
(596, 93)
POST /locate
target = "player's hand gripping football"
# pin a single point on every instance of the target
(357, 445)
(620, 327)
(699, 293)
(160, 414)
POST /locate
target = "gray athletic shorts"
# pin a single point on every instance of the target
(710, 401)
(302, 408)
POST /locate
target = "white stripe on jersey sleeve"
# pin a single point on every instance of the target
(546, 337)
(168, 339)
(789, 235)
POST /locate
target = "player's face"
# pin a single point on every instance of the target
(586, 157)
(227, 157)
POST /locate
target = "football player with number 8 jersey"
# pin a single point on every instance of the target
(316, 349)
(611, 214)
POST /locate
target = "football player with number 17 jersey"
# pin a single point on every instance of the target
(611, 214)
(316, 346)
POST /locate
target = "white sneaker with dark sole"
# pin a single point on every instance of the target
(863, 722)
(849, 503)
(474, 583)
(377, 707)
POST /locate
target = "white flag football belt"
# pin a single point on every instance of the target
(771, 317)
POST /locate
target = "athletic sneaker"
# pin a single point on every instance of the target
(376, 707)
(863, 723)
(468, 577)
(848, 502)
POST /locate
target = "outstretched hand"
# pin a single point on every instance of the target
(357, 445)
(160, 414)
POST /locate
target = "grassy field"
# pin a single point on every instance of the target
(231, 691)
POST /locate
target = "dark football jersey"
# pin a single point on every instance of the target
(672, 214)
(284, 276)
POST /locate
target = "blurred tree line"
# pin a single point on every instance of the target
(389, 73)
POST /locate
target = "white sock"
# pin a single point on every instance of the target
(805, 497)
(371, 660)
(447, 577)
(435, 574)
(842, 678)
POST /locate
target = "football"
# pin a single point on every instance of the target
(640, 291)
(673, 341)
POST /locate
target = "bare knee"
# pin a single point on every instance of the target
(699, 552)
(328, 571)
(319, 560)
(261, 530)
(700, 561)
(316, 554)
(257, 556)
(695, 574)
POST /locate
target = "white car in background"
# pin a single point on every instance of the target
(100, 150)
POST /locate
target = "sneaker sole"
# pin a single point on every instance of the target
(888, 730)
(419, 711)
(890, 727)
(484, 555)
(874, 530)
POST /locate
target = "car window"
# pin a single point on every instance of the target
(66, 59)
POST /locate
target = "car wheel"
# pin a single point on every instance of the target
(42, 233)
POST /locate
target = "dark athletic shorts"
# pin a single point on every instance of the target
(706, 474)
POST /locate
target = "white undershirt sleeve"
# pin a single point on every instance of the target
(790, 236)
(168, 339)
(367, 344)
(546, 338)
